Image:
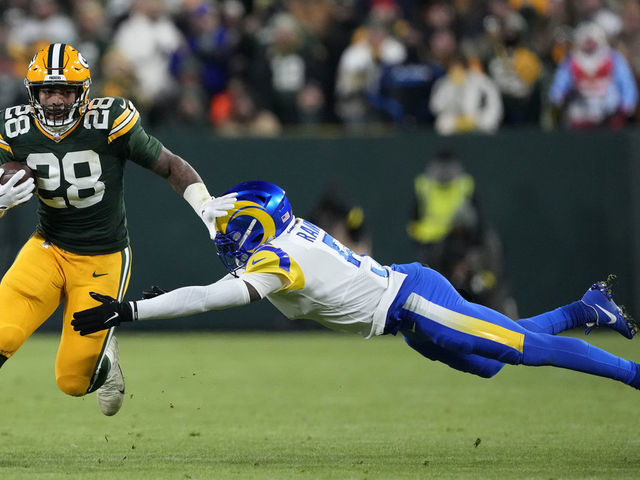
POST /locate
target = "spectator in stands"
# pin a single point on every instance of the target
(335, 40)
(118, 77)
(234, 14)
(285, 74)
(147, 39)
(437, 15)
(355, 62)
(629, 39)
(598, 12)
(93, 33)
(550, 34)
(594, 85)
(209, 46)
(44, 23)
(372, 48)
(192, 98)
(443, 48)
(234, 112)
(12, 91)
(465, 100)
(405, 88)
(515, 69)
(320, 22)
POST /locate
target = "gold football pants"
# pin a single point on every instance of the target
(42, 277)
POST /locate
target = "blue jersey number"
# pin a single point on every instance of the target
(352, 257)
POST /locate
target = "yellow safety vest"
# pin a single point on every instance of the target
(437, 205)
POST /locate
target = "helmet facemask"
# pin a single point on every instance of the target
(58, 66)
(244, 235)
(58, 117)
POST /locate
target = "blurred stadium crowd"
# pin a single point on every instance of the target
(256, 67)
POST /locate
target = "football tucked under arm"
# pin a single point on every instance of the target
(16, 185)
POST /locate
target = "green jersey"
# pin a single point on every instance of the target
(79, 174)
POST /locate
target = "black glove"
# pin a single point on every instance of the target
(103, 317)
(153, 291)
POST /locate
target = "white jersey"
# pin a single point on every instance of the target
(325, 281)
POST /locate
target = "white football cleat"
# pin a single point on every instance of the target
(111, 393)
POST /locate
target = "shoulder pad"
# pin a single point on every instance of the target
(125, 117)
(13, 124)
(122, 114)
(270, 259)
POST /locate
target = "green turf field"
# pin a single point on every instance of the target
(313, 406)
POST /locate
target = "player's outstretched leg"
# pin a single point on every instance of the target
(596, 308)
(431, 308)
(111, 393)
(470, 330)
(563, 318)
(465, 362)
(578, 355)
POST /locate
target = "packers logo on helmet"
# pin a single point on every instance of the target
(261, 213)
(58, 65)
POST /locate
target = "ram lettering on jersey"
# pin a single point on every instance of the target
(309, 231)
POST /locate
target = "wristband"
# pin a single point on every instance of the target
(134, 311)
(196, 195)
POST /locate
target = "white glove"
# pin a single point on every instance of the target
(216, 207)
(10, 195)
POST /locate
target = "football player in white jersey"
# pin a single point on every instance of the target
(306, 273)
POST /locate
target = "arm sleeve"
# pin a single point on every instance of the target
(143, 148)
(191, 300)
(264, 283)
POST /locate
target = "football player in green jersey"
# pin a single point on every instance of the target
(77, 149)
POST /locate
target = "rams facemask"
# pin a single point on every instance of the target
(261, 213)
(58, 64)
